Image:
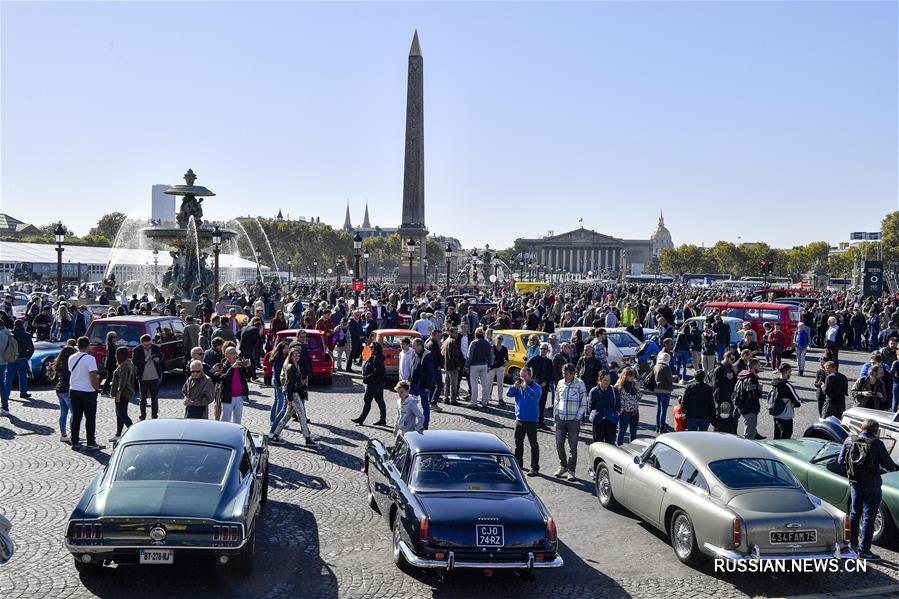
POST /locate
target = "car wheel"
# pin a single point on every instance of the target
(371, 496)
(265, 486)
(48, 373)
(92, 569)
(604, 488)
(513, 373)
(884, 527)
(244, 562)
(683, 539)
(398, 558)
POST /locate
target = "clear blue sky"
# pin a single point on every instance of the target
(771, 121)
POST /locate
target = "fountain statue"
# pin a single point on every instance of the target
(188, 277)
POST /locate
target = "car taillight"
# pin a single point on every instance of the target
(87, 531)
(738, 531)
(551, 533)
(424, 528)
(847, 529)
(226, 533)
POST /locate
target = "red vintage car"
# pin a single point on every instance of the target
(166, 331)
(322, 363)
(390, 341)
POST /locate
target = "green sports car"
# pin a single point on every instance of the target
(814, 463)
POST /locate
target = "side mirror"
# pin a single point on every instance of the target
(637, 460)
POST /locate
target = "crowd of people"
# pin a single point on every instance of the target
(228, 343)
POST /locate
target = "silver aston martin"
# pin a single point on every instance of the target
(718, 495)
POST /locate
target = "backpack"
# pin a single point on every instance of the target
(739, 396)
(775, 404)
(11, 351)
(648, 381)
(860, 463)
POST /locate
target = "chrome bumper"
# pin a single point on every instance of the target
(78, 549)
(451, 564)
(756, 554)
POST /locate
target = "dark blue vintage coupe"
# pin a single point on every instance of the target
(457, 499)
(174, 490)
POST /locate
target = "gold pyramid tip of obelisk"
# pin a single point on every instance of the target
(415, 50)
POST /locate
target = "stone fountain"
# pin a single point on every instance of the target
(188, 277)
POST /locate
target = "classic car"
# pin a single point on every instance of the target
(835, 430)
(516, 341)
(322, 364)
(621, 343)
(457, 499)
(464, 301)
(7, 546)
(736, 326)
(40, 367)
(718, 495)
(390, 340)
(166, 331)
(174, 489)
(242, 313)
(814, 462)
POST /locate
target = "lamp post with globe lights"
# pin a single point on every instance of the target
(216, 250)
(357, 274)
(447, 253)
(259, 263)
(289, 270)
(337, 268)
(410, 250)
(59, 236)
(365, 257)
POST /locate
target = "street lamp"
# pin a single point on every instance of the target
(337, 265)
(59, 236)
(425, 261)
(381, 274)
(447, 252)
(155, 267)
(365, 256)
(357, 253)
(530, 270)
(216, 249)
(259, 262)
(289, 270)
(410, 249)
(314, 272)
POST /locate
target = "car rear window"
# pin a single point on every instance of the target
(748, 473)
(313, 342)
(180, 462)
(128, 333)
(393, 341)
(622, 340)
(466, 472)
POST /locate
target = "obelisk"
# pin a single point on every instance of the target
(413, 225)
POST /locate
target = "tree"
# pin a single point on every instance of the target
(108, 226)
(889, 230)
(50, 230)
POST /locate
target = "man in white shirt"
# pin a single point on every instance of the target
(83, 386)
(406, 354)
(423, 325)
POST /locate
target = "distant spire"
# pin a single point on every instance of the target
(415, 50)
(347, 224)
(366, 224)
(661, 218)
(280, 216)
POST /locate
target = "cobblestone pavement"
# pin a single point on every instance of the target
(318, 537)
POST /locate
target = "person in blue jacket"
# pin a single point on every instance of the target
(526, 394)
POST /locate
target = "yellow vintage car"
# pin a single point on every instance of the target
(530, 286)
(516, 341)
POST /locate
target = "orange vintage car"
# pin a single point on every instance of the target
(390, 340)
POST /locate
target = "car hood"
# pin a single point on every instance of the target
(455, 515)
(804, 449)
(772, 501)
(162, 499)
(865, 413)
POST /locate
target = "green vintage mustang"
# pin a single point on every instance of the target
(174, 490)
(814, 463)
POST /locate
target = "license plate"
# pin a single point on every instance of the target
(793, 536)
(490, 535)
(157, 556)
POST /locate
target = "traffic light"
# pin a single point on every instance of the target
(764, 267)
(770, 267)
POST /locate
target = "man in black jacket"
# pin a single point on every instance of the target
(747, 394)
(698, 403)
(864, 455)
(835, 390)
(421, 380)
(20, 368)
(724, 377)
(722, 332)
(251, 343)
(149, 364)
(356, 333)
(433, 346)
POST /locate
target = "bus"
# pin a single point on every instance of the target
(647, 279)
(700, 278)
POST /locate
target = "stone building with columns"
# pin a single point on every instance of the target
(584, 250)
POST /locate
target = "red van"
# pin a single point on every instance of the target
(322, 366)
(166, 331)
(756, 314)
